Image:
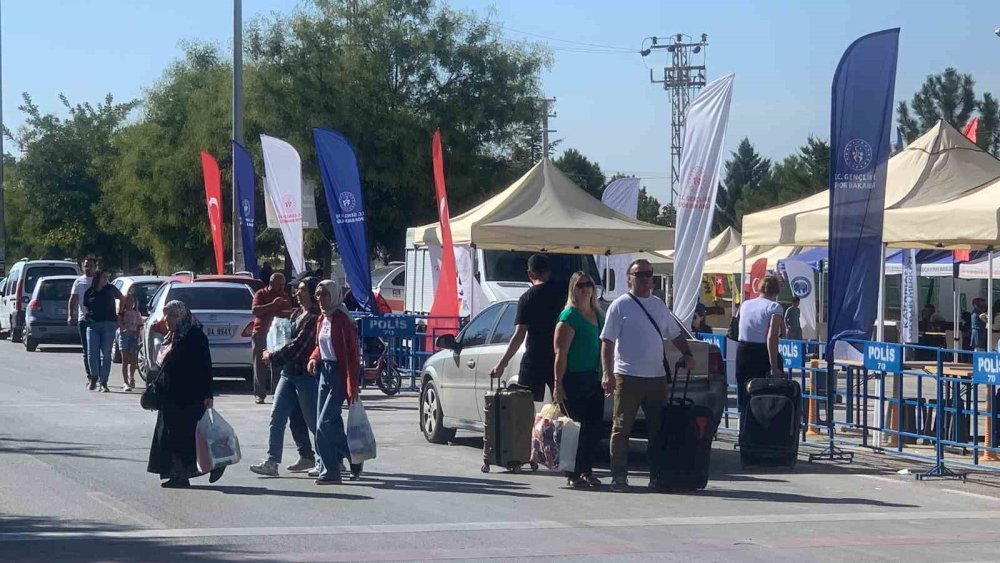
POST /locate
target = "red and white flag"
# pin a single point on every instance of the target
(443, 317)
(970, 129)
(757, 273)
(213, 199)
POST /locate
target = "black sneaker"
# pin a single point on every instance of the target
(176, 484)
(356, 469)
(619, 484)
(92, 385)
(330, 481)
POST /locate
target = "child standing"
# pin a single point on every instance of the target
(129, 321)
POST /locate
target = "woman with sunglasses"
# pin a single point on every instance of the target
(338, 362)
(577, 377)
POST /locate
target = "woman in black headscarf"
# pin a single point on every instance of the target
(183, 391)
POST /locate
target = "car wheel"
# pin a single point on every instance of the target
(16, 335)
(4, 335)
(431, 416)
(30, 344)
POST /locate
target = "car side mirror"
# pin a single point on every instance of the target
(447, 342)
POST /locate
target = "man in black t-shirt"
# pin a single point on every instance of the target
(537, 314)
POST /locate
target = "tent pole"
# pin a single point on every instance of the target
(743, 272)
(956, 335)
(607, 272)
(880, 326)
(989, 303)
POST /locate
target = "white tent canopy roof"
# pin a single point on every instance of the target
(723, 242)
(731, 262)
(938, 167)
(544, 211)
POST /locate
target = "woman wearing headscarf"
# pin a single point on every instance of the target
(338, 362)
(184, 391)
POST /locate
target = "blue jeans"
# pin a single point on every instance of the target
(295, 404)
(331, 438)
(82, 326)
(100, 336)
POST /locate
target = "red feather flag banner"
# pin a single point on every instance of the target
(213, 199)
(443, 317)
(971, 128)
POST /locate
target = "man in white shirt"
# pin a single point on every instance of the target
(76, 311)
(632, 357)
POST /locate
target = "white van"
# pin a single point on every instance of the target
(16, 291)
(503, 274)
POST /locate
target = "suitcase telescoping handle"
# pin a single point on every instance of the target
(673, 387)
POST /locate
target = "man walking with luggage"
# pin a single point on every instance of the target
(635, 371)
(537, 315)
(77, 312)
(270, 302)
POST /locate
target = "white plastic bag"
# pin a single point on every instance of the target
(279, 334)
(360, 439)
(569, 442)
(215, 442)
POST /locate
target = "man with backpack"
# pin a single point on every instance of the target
(635, 368)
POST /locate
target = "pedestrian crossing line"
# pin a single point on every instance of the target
(445, 527)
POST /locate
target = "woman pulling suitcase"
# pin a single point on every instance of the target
(762, 323)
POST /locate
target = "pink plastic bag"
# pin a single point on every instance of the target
(216, 444)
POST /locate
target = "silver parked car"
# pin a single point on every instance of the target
(223, 309)
(455, 379)
(45, 316)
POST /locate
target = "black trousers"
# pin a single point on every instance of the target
(752, 362)
(585, 403)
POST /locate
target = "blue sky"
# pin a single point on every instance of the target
(783, 53)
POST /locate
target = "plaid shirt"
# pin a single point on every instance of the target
(303, 341)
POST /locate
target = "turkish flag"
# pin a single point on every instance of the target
(443, 318)
(213, 199)
(971, 128)
(960, 256)
(720, 285)
(757, 273)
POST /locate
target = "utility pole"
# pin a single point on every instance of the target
(683, 80)
(237, 125)
(546, 114)
(3, 216)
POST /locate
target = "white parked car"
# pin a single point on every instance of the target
(15, 294)
(390, 282)
(455, 380)
(223, 308)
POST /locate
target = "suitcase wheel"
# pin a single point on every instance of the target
(485, 468)
(534, 466)
(514, 467)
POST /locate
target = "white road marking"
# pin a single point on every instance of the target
(968, 494)
(714, 521)
(126, 510)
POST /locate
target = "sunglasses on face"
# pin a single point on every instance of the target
(644, 274)
(585, 285)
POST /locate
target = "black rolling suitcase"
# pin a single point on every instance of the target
(771, 422)
(687, 432)
(508, 416)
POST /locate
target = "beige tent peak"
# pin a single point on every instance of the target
(723, 242)
(731, 262)
(938, 167)
(544, 211)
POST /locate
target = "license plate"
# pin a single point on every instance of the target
(61, 311)
(219, 330)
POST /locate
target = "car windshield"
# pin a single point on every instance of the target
(379, 274)
(34, 273)
(508, 266)
(55, 290)
(212, 298)
(143, 291)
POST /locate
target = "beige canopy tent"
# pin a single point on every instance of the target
(544, 211)
(971, 221)
(723, 242)
(939, 167)
(731, 262)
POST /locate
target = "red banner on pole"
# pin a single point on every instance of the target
(971, 128)
(213, 199)
(757, 273)
(720, 285)
(445, 309)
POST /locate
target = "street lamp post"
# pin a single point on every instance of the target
(237, 125)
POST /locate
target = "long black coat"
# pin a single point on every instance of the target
(184, 382)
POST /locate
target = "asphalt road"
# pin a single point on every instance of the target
(73, 486)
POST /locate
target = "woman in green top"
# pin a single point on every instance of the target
(577, 378)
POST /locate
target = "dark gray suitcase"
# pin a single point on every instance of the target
(508, 416)
(771, 423)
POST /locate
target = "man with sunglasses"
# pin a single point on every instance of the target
(632, 358)
(537, 315)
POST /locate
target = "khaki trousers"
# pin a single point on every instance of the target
(632, 392)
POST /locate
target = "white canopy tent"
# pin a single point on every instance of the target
(544, 211)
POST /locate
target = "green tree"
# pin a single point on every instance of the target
(745, 174)
(948, 96)
(57, 182)
(988, 136)
(156, 194)
(386, 74)
(582, 171)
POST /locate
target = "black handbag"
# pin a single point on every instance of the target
(151, 399)
(666, 363)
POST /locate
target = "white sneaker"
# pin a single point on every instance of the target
(265, 467)
(314, 473)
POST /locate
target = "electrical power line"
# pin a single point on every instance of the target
(570, 41)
